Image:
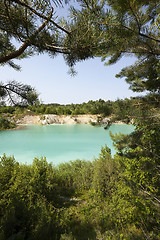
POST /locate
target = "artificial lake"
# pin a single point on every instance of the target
(58, 143)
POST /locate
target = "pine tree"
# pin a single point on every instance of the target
(113, 29)
(26, 28)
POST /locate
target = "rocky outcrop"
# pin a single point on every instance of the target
(56, 119)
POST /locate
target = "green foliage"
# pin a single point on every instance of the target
(33, 25)
(27, 200)
(6, 124)
(109, 198)
(140, 161)
(74, 178)
(107, 29)
(91, 107)
(113, 29)
(104, 173)
(17, 93)
(137, 109)
(7, 109)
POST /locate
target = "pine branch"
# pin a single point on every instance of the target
(136, 18)
(142, 34)
(16, 53)
(10, 20)
(10, 97)
(41, 15)
(15, 91)
(10, 89)
(58, 49)
(26, 44)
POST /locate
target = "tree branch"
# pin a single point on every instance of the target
(16, 53)
(11, 22)
(142, 34)
(136, 18)
(63, 50)
(13, 91)
(26, 44)
(10, 97)
(41, 15)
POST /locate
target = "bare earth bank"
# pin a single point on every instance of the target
(57, 119)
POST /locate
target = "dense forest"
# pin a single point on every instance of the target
(110, 198)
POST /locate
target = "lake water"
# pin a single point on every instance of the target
(58, 143)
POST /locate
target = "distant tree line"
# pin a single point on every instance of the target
(92, 107)
(120, 109)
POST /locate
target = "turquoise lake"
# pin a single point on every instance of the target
(58, 143)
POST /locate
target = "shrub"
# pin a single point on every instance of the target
(6, 124)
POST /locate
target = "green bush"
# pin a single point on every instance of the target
(6, 124)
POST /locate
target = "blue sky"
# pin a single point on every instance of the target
(51, 79)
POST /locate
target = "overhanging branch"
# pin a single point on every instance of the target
(41, 15)
(26, 44)
(142, 34)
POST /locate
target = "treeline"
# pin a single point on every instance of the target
(91, 107)
(109, 198)
(121, 109)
